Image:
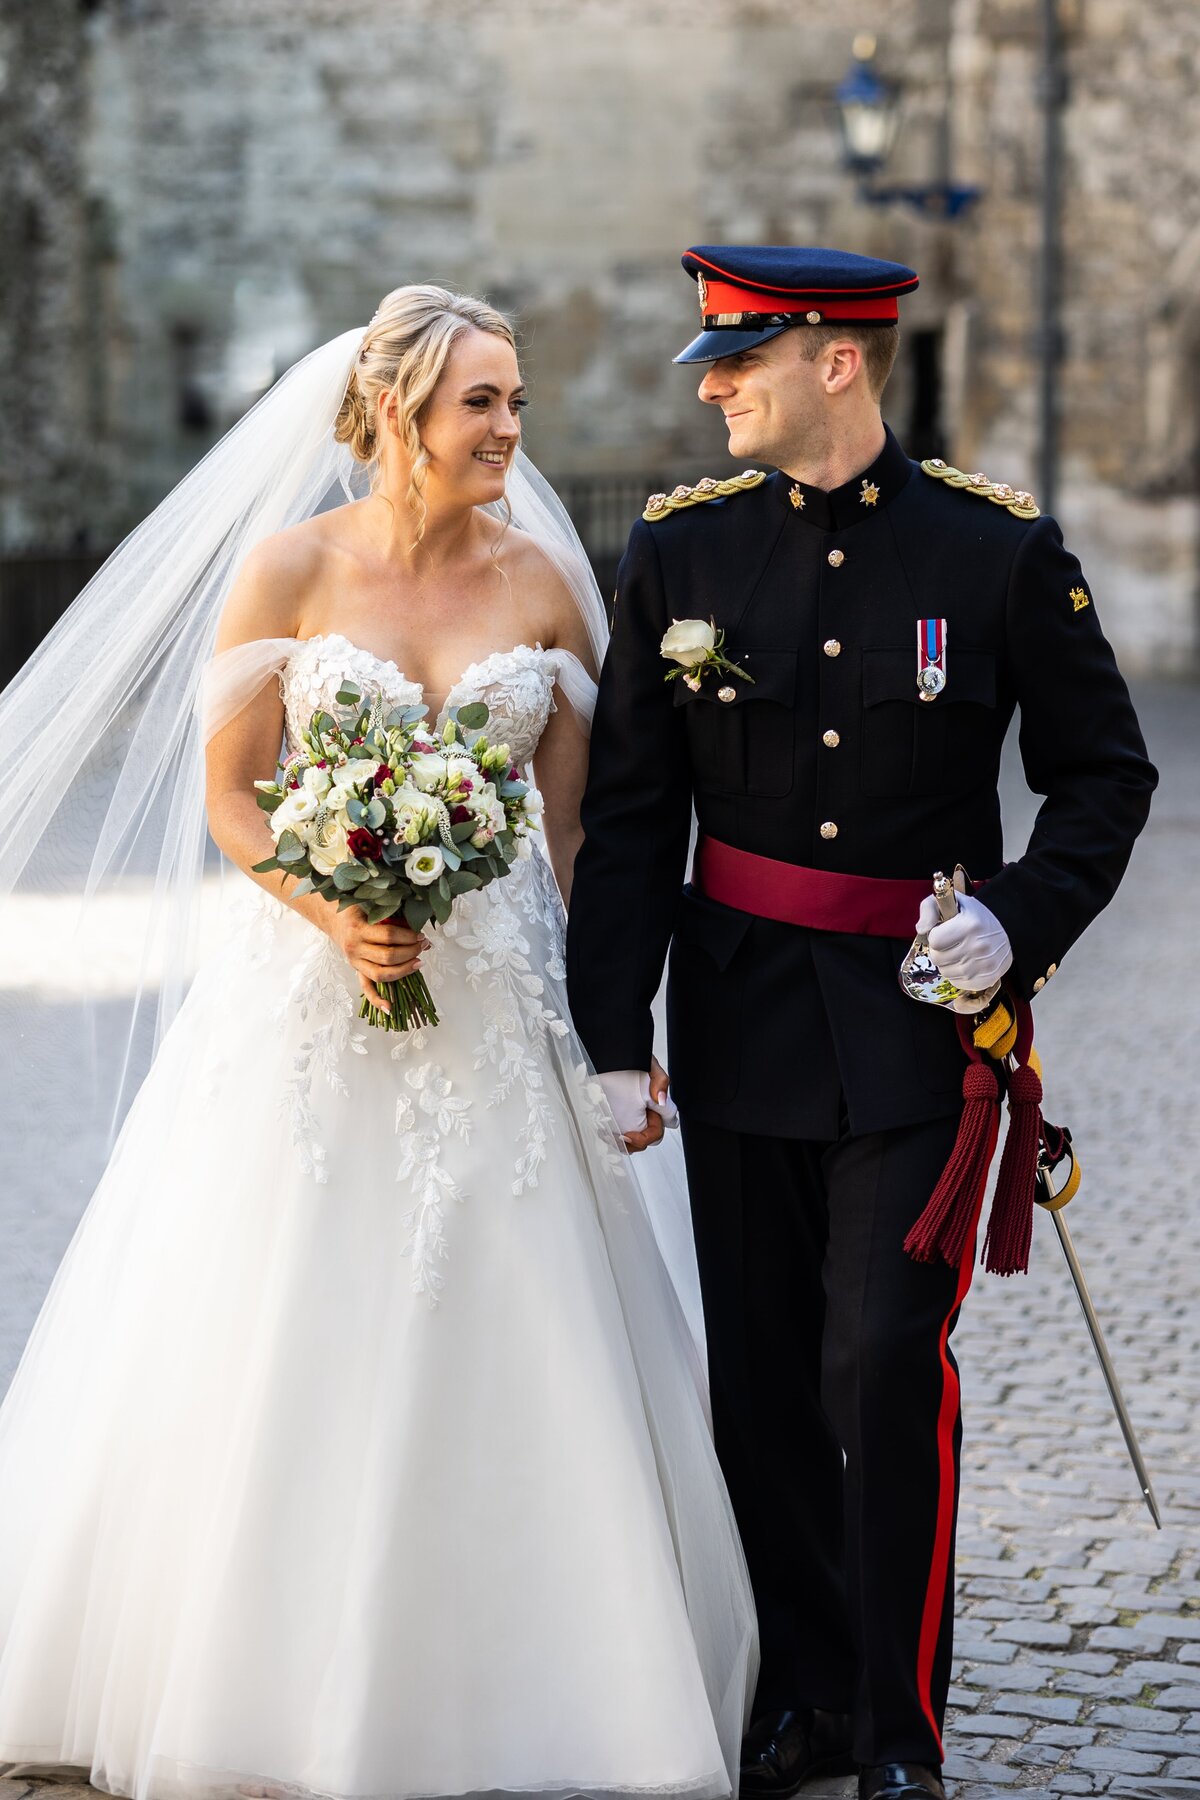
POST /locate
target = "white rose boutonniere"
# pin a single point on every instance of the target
(696, 647)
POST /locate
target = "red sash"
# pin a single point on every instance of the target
(862, 905)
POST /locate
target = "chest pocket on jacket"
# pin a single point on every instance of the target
(914, 746)
(745, 745)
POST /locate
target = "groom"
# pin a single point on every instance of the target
(841, 741)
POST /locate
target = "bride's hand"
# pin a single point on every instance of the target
(382, 952)
(652, 1131)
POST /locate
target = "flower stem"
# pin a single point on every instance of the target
(410, 1005)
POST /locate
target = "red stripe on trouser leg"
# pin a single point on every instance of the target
(939, 1569)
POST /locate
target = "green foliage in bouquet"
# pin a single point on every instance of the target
(379, 812)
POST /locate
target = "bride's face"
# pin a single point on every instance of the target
(472, 425)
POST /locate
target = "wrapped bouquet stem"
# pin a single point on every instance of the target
(379, 812)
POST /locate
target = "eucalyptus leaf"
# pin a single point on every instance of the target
(474, 715)
(348, 875)
(269, 802)
(442, 888)
(376, 813)
(356, 812)
(417, 911)
(440, 903)
(348, 695)
(264, 868)
(452, 859)
(512, 790)
(304, 886)
(464, 882)
(462, 831)
(290, 850)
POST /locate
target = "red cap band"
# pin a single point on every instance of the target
(720, 297)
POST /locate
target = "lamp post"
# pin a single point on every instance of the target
(1052, 92)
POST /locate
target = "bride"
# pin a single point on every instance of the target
(360, 1447)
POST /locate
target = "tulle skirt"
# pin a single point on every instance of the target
(360, 1448)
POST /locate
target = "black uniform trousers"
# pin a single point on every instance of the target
(836, 1415)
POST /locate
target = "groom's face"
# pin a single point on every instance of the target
(773, 397)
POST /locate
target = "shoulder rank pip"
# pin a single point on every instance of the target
(1018, 501)
(659, 505)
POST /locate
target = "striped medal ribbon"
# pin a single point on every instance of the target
(931, 657)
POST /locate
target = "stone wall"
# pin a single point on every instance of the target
(205, 192)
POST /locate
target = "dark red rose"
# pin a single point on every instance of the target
(459, 815)
(382, 773)
(364, 844)
(514, 774)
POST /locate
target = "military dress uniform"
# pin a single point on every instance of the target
(818, 1103)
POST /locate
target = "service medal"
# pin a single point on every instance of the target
(931, 658)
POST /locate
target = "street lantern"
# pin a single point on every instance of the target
(869, 109)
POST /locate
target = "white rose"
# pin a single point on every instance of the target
(427, 772)
(533, 803)
(294, 811)
(328, 847)
(317, 781)
(424, 866)
(354, 773)
(688, 642)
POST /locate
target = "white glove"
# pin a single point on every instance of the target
(628, 1094)
(971, 949)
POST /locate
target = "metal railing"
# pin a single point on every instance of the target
(37, 586)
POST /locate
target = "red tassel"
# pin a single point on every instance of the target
(1010, 1227)
(949, 1219)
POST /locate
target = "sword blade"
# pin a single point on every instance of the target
(1106, 1365)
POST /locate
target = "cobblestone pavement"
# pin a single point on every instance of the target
(1078, 1645)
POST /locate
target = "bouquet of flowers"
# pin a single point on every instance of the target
(378, 811)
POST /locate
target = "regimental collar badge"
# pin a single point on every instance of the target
(702, 287)
(931, 658)
(1079, 598)
(870, 493)
(796, 497)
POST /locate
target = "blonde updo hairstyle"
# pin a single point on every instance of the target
(404, 352)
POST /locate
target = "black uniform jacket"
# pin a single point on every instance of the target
(770, 1025)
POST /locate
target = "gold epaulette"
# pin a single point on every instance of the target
(659, 505)
(1018, 501)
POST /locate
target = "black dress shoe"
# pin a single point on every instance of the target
(783, 1750)
(900, 1781)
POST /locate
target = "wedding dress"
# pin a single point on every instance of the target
(360, 1446)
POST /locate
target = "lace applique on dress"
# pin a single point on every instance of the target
(319, 987)
(428, 1115)
(486, 946)
(517, 687)
(321, 666)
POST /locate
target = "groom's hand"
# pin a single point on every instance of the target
(621, 1087)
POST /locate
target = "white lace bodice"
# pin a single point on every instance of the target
(517, 686)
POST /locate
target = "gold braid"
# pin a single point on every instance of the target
(659, 505)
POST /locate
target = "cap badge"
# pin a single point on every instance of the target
(1079, 598)
(812, 318)
(931, 658)
(702, 289)
(796, 497)
(869, 495)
